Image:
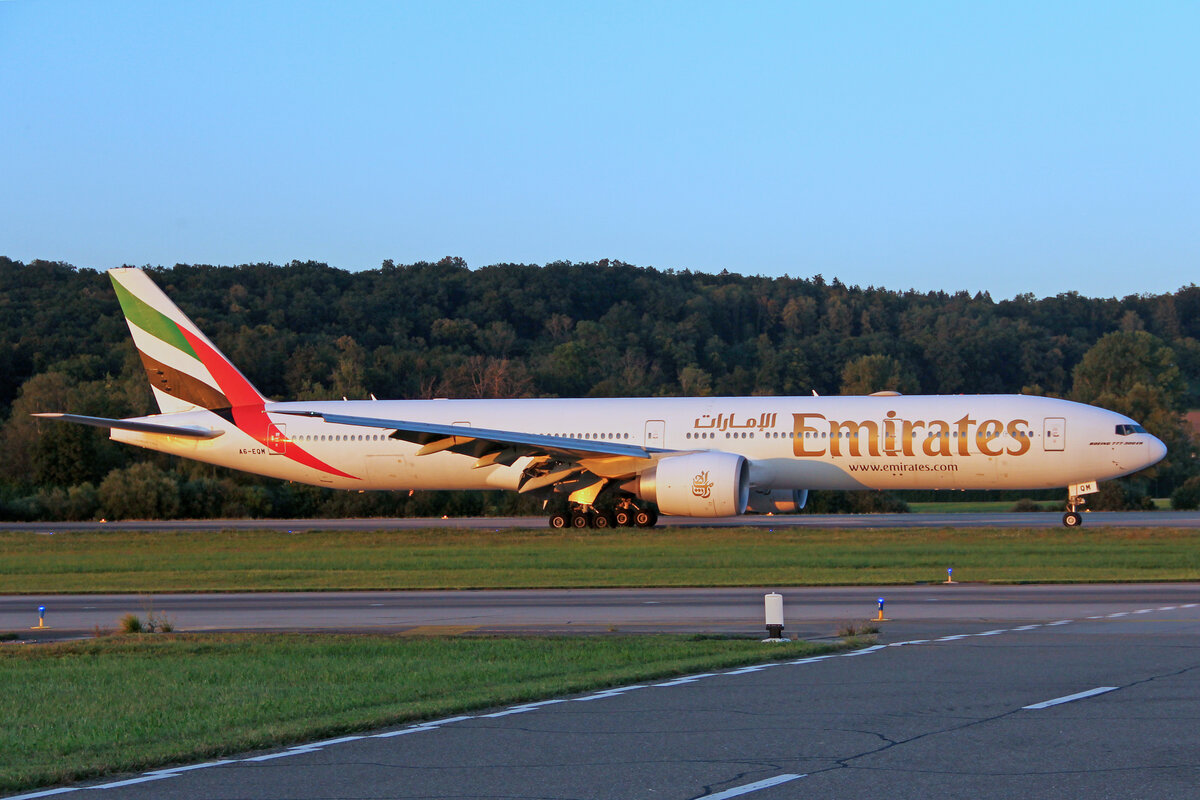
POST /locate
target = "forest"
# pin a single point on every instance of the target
(306, 330)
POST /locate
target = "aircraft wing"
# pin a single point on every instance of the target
(557, 459)
(189, 431)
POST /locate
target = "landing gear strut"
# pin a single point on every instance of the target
(1073, 519)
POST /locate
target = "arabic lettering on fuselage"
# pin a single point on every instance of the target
(723, 422)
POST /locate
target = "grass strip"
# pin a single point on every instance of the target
(87, 708)
(229, 561)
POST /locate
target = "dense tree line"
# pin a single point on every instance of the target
(307, 330)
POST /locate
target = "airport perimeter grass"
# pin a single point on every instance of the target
(156, 562)
(86, 708)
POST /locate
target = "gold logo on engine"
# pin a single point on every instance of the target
(701, 485)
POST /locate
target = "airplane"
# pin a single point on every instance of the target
(615, 461)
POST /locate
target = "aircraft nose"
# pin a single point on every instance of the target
(1158, 451)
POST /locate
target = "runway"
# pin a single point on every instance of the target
(981, 691)
(1101, 519)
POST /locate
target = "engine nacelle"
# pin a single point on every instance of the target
(778, 501)
(698, 485)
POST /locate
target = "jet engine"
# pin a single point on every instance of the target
(696, 485)
(777, 501)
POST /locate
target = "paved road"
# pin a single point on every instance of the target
(1102, 519)
(975, 691)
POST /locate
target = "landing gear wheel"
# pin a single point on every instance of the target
(1072, 519)
(579, 519)
(644, 518)
(623, 518)
(601, 520)
(559, 521)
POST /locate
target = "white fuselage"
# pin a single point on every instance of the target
(890, 442)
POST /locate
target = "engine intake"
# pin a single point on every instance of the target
(697, 485)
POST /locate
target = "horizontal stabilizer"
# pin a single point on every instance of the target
(190, 431)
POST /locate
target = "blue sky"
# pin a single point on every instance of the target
(1008, 147)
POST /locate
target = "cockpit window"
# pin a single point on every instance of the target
(1129, 430)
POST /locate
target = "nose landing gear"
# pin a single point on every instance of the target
(1075, 500)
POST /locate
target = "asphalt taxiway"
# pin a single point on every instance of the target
(1092, 694)
(973, 690)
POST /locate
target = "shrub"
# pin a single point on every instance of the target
(142, 491)
(1187, 496)
(130, 623)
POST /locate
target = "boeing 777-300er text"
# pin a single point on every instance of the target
(686, 456)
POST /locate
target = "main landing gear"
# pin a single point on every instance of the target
(624, 515)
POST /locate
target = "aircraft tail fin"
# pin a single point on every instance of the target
(185, 369)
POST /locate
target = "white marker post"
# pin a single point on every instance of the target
(773, 605)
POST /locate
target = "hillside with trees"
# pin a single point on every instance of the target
(606, 329)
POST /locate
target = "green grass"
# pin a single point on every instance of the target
(156, 562)
(86, 708)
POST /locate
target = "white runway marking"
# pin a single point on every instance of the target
(738, 791)
(132, 781)
(755, 668)
(1072, 697)
(46, 793)
(191, 767)
(687, 679)
(608, 693)
(295, 751)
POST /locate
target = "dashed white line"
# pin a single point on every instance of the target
(993, 633)
(687, 679)
(46, 793)
(755, 668)
(738, 791)
(132, 781)
(608, 693)
(403, 732)
(1072, 697)
(1060, 622)
(294, 751)
(190, 767)
(953, 638)
(1028, 627)
(339, 740)
(1118, 614)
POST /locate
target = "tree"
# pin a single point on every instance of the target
(142, 491)
(1134, 373)
(877, 373)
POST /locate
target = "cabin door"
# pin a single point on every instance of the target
(1054, 434)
